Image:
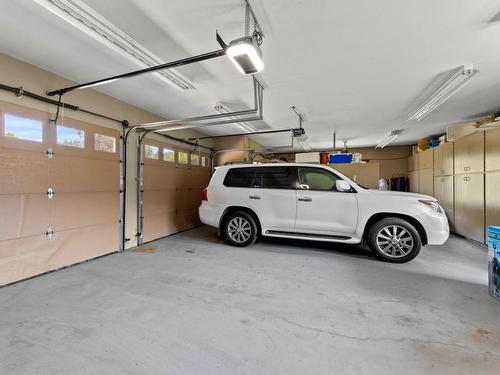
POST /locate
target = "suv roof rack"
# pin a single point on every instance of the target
(273, 161)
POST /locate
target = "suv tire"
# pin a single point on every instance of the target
(394, 240)
(239, 229)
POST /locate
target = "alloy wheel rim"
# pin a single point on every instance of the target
(395, 241)
(239, 229)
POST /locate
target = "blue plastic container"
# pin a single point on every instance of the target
(341, 158)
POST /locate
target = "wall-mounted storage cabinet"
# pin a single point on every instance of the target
(469, 205)
(492, 198)
(443, 159)
(426, 181)
(425, 159)
(469, 153)
(492, 150)
(413, 177)
(444, 193)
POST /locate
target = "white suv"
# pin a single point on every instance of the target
(315, 202)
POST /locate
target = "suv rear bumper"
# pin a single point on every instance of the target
(209, 214)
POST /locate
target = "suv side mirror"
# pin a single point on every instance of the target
(342, 186)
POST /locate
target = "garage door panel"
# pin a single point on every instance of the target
(155, 226)
(23, 215)
(159, 177)
(182, 198)
(80, 244)
(84, 211)
(71, 210)
(20, 258)
(159, 202)
(23, 171)
(76, 174)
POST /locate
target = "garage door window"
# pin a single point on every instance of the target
(23, 128)
(70, 137)
(152, 152)
(195, 159)
(183, 157)
(104, 143)
(168, 155)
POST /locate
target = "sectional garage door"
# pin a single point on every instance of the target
(173, 181)
(59, 192)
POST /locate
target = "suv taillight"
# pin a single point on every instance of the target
(204, 195)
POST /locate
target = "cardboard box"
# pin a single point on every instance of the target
(494, 261)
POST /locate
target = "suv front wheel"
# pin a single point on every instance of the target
(394, 240)
(239, 229)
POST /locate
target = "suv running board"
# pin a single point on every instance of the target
(308, 235)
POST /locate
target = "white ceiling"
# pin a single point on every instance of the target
(356, 67)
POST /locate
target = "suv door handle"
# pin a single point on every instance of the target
(254, 197)
(305, 199)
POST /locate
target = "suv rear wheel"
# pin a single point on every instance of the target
(239, 229)
(394, 240)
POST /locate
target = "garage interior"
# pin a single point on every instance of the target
(113, 116)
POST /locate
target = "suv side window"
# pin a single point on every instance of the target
(317, 179)
(275, 178)
(239, 177)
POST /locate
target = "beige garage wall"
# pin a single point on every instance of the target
(393, 160)
(14, 72)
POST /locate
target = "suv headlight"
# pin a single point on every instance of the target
(432, 204)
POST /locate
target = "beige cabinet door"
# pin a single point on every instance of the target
(426, 181)
(444, 193)
(492, 184)
(469, 153)
(443, 159)
(492, 150)
(425, 159)
(469, 206)
(411, 166)
(413, 177)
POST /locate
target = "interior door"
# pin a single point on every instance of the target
(321, 209)
(273, 197)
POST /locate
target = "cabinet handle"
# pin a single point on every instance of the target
(466, 178)
(466, 169)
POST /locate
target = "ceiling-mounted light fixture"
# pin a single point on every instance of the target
(457, 80)
(246, 55)
(219, 107)
(245, 52)
(388, 139)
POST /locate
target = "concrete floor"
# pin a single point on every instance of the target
(197, 306)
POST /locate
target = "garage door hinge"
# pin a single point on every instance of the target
(50, 193)
(49, 233)
(50, 153)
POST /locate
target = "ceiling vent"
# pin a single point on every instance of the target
(87, 20)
